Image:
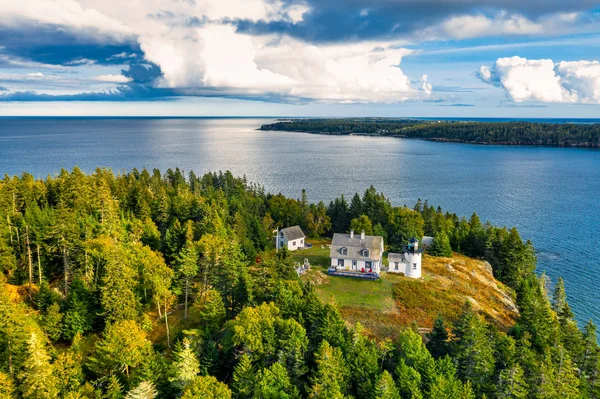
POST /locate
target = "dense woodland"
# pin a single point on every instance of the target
(93, 264)
(509, 133)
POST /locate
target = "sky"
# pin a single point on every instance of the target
(396, 58)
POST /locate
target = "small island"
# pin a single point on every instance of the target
(499, 133)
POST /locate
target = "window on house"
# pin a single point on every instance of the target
(414, 266)
(368, 265)
(340, 262)
(294, 243)
(365, 252)
(396, 265)
(301, 242)
(344, 251)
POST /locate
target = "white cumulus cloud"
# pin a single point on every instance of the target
(544, 80)
(200, 52)
(110, 78)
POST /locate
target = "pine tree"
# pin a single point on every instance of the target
(559, 296)
(512, 384)
(590, 361)
(206, 388)
(114, 390)
(440, 246)
(118, 300)
(7, 390)
(124, 345)
(438, 339)
(329, 379)
(38, 380)
(244, 378)
(185, 365)
(145, 390)
(187, 263)
(210, 311)
(51, 322)
(474, 351)
(409, 381)
(385, 388)
(274, 383)
(363, 363)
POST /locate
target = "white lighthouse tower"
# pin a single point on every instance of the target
(413, 255)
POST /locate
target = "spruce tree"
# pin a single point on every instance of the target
(474, 351)
(440, 246)
(385, 388)
(512, 384)
(123, 346)
(329, 379)
(51, 322)
(187, 267)
(145, 390)
(409, 381)
(37, 377)
(438, 339)
(206, 388)
(7, 389)
(185, 365)
(114, 389)
(244, 378)
(274, 383)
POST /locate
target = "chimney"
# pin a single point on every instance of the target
(351, 233)
(362, 235)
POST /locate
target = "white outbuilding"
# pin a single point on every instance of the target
(408, 262)
(292, 238)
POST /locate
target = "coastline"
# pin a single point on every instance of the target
(442, 139)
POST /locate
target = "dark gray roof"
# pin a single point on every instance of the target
(413, 240)
(355, 247)
(393, 257)
(427, 240)
(292, 233)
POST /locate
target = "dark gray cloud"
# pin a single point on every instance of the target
(334, 20)
(142, 73)
(56, 45)
(130, 92)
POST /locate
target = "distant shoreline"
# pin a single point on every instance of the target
(527, 134)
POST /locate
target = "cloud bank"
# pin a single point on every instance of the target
(280, 50)
(544, 80)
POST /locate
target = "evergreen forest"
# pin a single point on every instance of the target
(152, 285)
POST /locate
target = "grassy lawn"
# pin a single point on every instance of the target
(317, 256)
(386, 305)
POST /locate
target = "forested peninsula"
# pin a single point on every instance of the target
(152, 285)
(500, 133)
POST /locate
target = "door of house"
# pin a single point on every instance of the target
(354, 265)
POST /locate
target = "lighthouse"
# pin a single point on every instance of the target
(413, 255)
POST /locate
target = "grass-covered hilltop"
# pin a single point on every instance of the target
(151, 285)
(506, 133)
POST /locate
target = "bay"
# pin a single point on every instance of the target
(552, 195)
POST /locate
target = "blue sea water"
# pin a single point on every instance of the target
(552, 195)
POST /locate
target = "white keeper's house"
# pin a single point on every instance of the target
(292, 238)
(359, 253)
(408, 262)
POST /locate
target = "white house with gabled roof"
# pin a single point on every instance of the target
(292, 238)
(361, 253)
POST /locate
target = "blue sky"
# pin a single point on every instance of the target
(486, 58)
